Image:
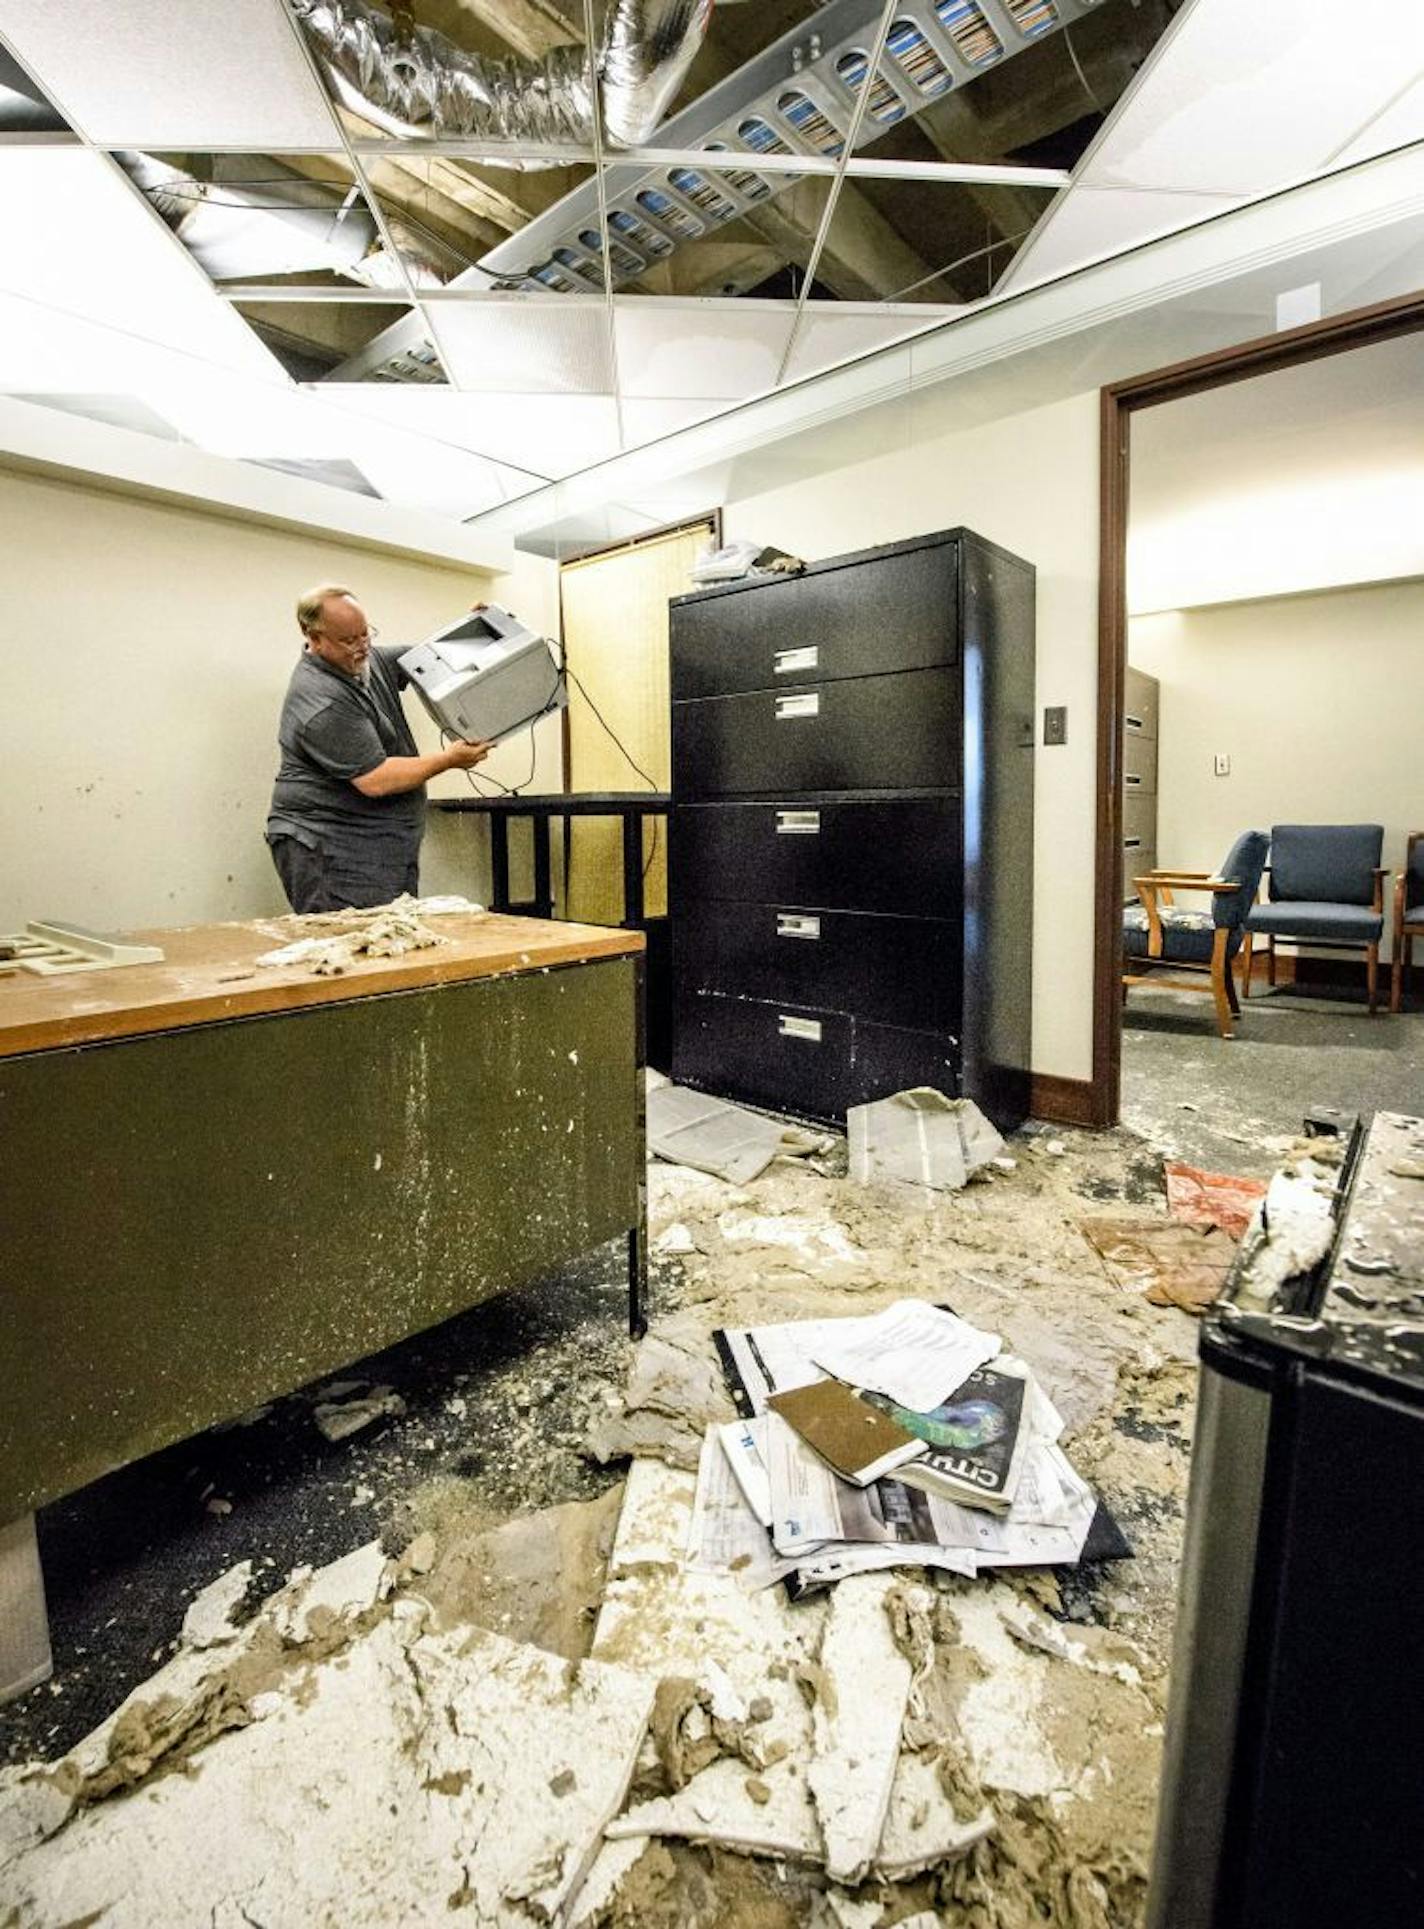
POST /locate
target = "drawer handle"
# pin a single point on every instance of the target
(807, 1028)
(1132, 843)
(786, 662)
(798, 823)
(807, 705)
(790, 924)
(1131, 779)
(1134, 723)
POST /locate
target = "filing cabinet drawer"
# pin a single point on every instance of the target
(893, 854)
(859, 733)
(1139, 816)
(801, 1059)
(809, 628)
(1137, 860)
(1140, 704)
(892, 971)
(1139, 766)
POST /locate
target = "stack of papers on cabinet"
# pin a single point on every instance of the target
(956, 1463)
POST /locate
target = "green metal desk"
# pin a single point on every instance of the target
(220, 1181)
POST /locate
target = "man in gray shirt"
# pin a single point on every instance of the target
(348, 807)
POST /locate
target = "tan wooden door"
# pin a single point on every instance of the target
(615, 629)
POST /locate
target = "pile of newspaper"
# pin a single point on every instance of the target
(906, 1438)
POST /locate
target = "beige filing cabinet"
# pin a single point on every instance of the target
(1139, 778)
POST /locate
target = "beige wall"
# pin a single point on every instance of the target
(1030, 482)
(146, 651)
(1317, 701)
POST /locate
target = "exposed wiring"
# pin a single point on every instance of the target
(475, 777)
(1078, 70)
(1005, 241)
(627, 755)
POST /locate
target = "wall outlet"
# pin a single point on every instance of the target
(1223, 763)
(1055, 724)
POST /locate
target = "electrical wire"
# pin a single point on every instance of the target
(474, 777)
(1078, 70)
(627, 755)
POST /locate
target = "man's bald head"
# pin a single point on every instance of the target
(335, 627)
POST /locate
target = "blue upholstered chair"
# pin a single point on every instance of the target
(1326, 889)
(1408, 914)
(1159, 936)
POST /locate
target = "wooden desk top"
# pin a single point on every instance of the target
(210, 973)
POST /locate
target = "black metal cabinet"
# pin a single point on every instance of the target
(851, 843)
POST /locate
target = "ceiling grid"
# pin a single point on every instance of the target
(605, 296)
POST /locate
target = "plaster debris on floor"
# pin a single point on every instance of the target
(550, 1713)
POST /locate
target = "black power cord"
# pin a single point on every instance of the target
(506, 790)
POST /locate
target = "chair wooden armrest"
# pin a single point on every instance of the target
(1380, 875)
(1153, 885)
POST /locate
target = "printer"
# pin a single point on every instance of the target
(485, 675)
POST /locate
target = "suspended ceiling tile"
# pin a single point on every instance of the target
(190, 74)
(1089, 223)
(79, 242)
(723, 350)
(547, 435)
(541, 344)
(832, 333)
(1240, 100)
(646, 421)
(1400, 124)
(442, 416)
(556, 434)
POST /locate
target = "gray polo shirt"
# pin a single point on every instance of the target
(334, 728)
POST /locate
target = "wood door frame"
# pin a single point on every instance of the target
(1360, 328)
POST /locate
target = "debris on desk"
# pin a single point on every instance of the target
(330, 942)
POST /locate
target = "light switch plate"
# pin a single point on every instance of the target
(1223, 763)
(1055, 724)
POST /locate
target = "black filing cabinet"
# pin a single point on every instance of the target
(851, 839)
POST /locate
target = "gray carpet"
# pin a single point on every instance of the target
(1221, 1101)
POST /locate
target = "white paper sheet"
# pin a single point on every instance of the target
(742, 1444)
(913, 1352)
(725, 1536)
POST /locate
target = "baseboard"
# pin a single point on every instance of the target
(1063, 1101)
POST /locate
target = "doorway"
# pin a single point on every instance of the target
(1122, 406)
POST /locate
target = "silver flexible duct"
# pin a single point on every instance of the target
(419, 84)
(648, 48)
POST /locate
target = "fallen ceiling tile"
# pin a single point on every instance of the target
(407, 1775)
(862, 1690)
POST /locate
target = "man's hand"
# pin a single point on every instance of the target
(463, 756)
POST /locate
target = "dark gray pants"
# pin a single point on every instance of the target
(339, 876)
